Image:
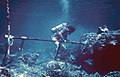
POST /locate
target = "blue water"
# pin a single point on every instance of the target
(35, 18)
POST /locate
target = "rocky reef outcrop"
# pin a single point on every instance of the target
(96, 56)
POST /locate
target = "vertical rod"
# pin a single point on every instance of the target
(8, 25)
(7, 52)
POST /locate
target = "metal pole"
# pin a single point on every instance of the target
(8, 39)
(39, 39)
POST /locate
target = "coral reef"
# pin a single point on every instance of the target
(29, 63)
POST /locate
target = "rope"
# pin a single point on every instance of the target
(8, 10)
(8, 13)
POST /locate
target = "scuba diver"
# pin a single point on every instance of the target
(101, 31)
(60, 33)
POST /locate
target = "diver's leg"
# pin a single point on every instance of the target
(57, 51)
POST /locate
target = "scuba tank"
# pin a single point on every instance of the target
(59, 27)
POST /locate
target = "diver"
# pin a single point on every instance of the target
(101, 31)
(60, 33)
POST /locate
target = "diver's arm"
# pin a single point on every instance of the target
(62, 37)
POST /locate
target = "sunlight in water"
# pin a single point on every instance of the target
(65, 8)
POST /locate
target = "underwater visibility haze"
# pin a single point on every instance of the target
(34, 19)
